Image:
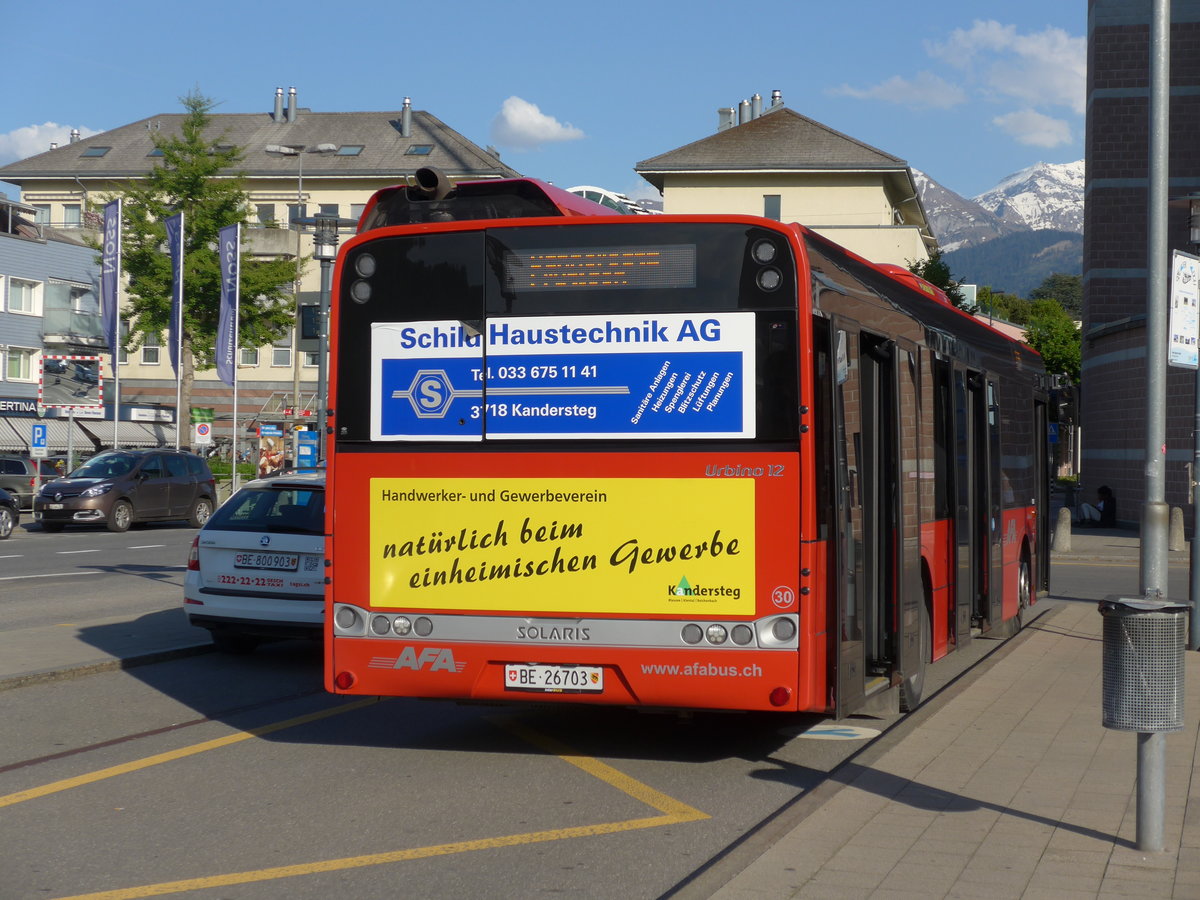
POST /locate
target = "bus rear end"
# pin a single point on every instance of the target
(566, 465)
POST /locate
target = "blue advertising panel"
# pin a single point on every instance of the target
(580, 377)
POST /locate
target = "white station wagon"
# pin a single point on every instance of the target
(256, 570)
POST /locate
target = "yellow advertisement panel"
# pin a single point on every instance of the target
(625, 546)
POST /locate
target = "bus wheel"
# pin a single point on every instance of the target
(912, 688)
(1024, 592)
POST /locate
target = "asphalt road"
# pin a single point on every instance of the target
(239, 777)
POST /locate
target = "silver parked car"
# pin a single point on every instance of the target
(256, 570)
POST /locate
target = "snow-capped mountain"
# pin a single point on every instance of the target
(1040, 197)
(1044, 196)
(1027, 227)
(956, 221)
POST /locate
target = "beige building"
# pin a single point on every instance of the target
(296, 163)
(779, 164)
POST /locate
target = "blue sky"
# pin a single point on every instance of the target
(573, 93)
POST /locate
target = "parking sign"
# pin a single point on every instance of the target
(37, 441)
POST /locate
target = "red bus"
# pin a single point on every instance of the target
(667, 461)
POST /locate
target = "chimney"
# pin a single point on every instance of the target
(406, 118)
(743, 112)
(278, 116)
(756, 106)
(724, 118)
(54, 145)
(776, 99)
(291, 112)
(74, 135)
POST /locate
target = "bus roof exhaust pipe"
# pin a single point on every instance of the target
(432, 184)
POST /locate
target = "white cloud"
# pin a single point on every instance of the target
(1044, 68)
(926, 91)
(1030, 127)
(522, 126)
(33, 139)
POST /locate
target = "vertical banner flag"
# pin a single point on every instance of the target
(229, 248)
(175, 248)
(110, 273)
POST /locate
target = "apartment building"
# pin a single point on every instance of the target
(296, 162)
(781, 165)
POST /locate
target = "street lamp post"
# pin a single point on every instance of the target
(296, 150)
(326, 227)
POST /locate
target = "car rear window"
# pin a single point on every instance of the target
(289, 509)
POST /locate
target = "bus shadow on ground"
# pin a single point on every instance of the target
(261, 688)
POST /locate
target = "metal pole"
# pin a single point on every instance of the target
(1194, 557)
(1152, 747)
(322, 350)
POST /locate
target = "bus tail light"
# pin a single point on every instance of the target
(193, 563)
(780, 696)
(344, 680)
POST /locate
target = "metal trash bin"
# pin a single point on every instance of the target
(1145, 643)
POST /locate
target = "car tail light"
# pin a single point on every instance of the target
(344, 680)
(194, 556)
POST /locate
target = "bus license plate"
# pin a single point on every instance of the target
(555, 679)
(284, 561)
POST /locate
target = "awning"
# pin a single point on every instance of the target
(133, 434)
(16, 432)
(89, 436)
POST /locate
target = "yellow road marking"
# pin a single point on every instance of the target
(673, 812)
(171, 755)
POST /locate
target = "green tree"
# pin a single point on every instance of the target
(1052, 333)
(936, 271)
(1066, 290)
(1008, 307)
(197, 177)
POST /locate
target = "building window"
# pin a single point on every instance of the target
(94, 151)
(122, 353)
(25, 296)
(356, 210)
(249, 357)
(42, 216)
(150, 350)
(310, 359)
(20, 364)
(157, 151)
(350, 150)
(72, 215)
(772, 206)
(330, 209)
(265, 213)
(297, 211)
(419, 150)
(281, 350)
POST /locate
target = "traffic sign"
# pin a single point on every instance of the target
(203, 432)
(37, 441)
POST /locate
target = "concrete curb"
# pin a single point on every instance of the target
(106, 665)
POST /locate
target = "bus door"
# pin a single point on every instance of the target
(868, 474)
(977, 518)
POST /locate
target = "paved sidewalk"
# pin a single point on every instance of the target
(1010, 789)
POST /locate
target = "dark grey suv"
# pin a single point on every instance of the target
(18, 476)
(120, 487)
